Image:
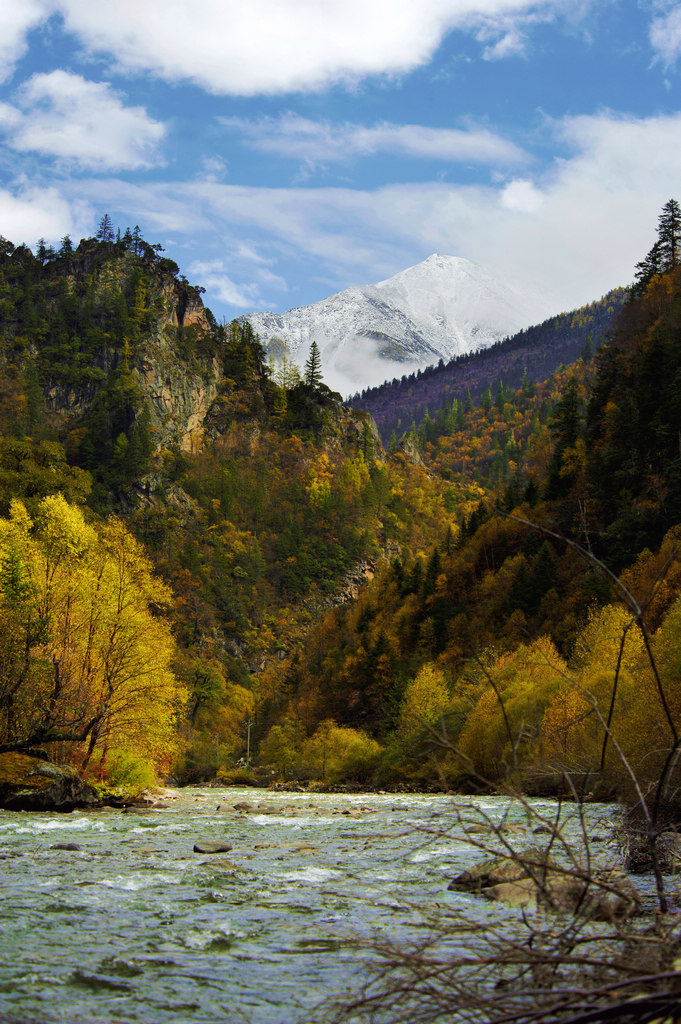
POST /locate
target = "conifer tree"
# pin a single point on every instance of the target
(665, 253)
(392, 444)
(105, 232)
(313, 368)
(669, 235)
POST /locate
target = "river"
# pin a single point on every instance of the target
(131, 925)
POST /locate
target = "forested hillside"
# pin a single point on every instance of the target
(259, 500)
(197, 552)
(531, 355)
(512, 631)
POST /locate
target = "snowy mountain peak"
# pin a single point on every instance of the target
(442, 307)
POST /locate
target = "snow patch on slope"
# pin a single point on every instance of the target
(442, 307)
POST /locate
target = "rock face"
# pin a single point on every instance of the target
(532, 880)
(176, 374)
(30, 784)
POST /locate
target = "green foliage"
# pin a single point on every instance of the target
(312, 377)
(31, 470)
(128, 773)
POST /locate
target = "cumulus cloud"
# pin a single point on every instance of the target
(63, 115)
(30, 213)
(275, 46)
(321, 142)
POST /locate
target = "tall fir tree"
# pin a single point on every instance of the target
(665, 253)
(313, 368)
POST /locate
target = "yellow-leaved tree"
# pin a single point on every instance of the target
(425, 700)
(85, 653)
(599, 692)
(503, 732)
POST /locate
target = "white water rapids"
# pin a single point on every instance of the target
(133, 926)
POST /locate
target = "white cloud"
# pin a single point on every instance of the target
(565, 236)
(321, 142)
(274, 46)
(213, 168)
(522, 195)
(17, 17)
(665, 35)
(511, 44)
(33, 213)
(214, 275)
(61, 114)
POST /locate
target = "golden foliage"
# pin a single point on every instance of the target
(85, 653)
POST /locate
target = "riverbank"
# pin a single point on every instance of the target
(111, 914)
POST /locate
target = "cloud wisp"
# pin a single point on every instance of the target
(317, 143)
(665, 36)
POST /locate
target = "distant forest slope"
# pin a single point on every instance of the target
(534, 353)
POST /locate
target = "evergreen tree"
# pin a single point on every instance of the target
(665, 253)
(647, 269)
(367, 442)
(669, 235)
(392, 444)
(313, 368)
(105, 232)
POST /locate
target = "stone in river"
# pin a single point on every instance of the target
(208, 846)
(33, 784)
(65, 846)
(243, 805)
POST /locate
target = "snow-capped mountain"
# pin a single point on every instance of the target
(442, 307)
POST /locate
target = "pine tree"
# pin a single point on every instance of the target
(665, 253)
(669, 235)
(392, 444)
(105, 232)
(313, 368)
(367, 442)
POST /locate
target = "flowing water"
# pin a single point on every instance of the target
(132, 925)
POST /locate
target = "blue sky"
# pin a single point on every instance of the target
(282, 150)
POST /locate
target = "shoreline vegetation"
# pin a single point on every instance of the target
(207, 564)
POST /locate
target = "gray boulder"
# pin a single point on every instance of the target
(532, 880)
(31, 784)
(207, 846)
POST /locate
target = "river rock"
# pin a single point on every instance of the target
(31, 784)
(499, 870)
(531, 879)
(208, 846)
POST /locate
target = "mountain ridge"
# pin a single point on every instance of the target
(534, 352)
(439, 308)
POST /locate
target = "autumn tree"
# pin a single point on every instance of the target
(425, 700)
(86, 656)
